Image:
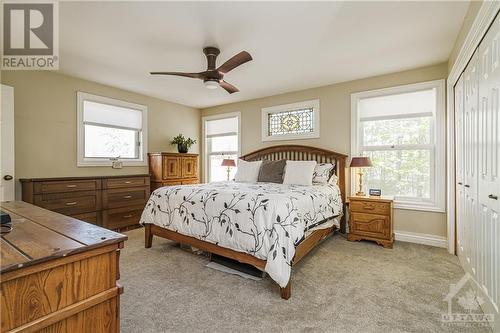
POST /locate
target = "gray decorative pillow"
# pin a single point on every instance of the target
(322, 173)
(272, 171)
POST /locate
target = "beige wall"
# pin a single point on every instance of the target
(45, 123)
(469, 18)
(335, 106)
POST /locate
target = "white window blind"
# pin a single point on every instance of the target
(111, 115)
(221, 127)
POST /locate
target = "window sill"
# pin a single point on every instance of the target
(109, 163)
(314, 135)
(418, 207)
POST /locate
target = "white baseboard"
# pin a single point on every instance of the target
(418, 238)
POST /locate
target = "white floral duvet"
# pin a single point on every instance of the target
(266, 220)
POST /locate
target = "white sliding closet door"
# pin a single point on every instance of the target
(488, 171)
(477, 135)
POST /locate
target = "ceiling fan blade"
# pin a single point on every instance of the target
(235, 61)
(191, 75)
(228, 87)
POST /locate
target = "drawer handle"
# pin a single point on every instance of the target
(467, 185)
(71, 203)
(70, 186)
(369, 207)
(459, 183)
(128, 182)
(127, 216)
(494, 197)
(127, 197)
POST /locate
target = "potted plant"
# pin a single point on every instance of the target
(182, 143)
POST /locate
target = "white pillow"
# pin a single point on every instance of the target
(248, 172)
(334, 180)
(299, 172)
(322, 173)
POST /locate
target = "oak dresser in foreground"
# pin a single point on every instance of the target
(58, 274)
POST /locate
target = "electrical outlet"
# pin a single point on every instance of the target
(117, 165)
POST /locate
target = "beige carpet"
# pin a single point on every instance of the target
(339, 287)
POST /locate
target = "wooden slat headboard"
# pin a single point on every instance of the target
(303, 153)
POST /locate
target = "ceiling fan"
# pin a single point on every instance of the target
(213, 77)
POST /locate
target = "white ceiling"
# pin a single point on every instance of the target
(295, 45)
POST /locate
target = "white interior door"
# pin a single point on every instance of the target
(7, 183)
(488, 274)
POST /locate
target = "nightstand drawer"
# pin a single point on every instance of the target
(370, 207)
(370, 225)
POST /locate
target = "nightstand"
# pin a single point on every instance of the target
(371, 218)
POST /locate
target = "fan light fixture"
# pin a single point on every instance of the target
(214, 77)
(209, 84)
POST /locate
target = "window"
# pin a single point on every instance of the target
(221, 140)
(291, 121)
(402, 130)
(110, 128)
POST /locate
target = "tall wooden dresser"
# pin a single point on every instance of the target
(114, 202)
(173, 169)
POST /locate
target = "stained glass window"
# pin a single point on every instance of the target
(291, 122)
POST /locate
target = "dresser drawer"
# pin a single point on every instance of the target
(66, 186)
(172, 183)
(69, 203)
(125, 182)
(93, 217)
(190, 181)
(381, 208)
(121, 217)
(125, 197)
(370, 225)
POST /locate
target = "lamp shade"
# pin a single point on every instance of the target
(228, 162)
(360, 162)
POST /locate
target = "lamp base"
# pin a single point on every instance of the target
(360, 194)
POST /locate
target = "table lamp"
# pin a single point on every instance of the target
(227, 162)
(360, 163)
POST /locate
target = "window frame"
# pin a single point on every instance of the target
(142, 135)
(206, 154)
(437, 148)
(265, 112)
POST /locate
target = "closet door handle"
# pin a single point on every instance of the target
(459, 183)
(467, 185)
(494, 197)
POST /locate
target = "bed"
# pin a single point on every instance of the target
(267, 225)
